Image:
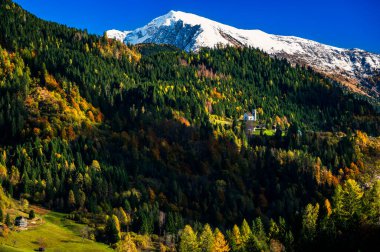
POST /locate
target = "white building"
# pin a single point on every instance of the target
(21, 222)
(251, 117)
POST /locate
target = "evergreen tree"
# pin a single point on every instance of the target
(71, 199)
(81, 199)
(32, 215)
(173, 223)
(8, 220)
(274, 230)
(147, 223)
(258, 228)
(111, 231)
(254, 244)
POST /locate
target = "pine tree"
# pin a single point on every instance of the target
(285, 235)
(289, 241)
(147, 223)
(258, 229)
(1, 215)
(32, 215)
(71, 199)
(111, 231)
(81, 199)
(173, 223)
(274, 230)
(8, 220)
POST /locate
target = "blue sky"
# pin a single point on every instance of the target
(342, 23)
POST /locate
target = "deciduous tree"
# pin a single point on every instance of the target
(206, 239)
(188, 241)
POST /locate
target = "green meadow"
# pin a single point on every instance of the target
(55, 232)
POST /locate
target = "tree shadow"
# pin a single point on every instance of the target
(70, 241)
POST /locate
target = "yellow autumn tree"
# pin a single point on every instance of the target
(246, 231)
(188, 240)
(127, 245)
(3, 172)
(71, 199)
(361, 138)
(15, 176)
(124, 218)
(117, 222)
(95, 165)
(207, 239)
(328, 207)
(236, 239)
(220, 243)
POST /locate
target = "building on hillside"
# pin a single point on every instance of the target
(250, 120)
(21, 222)
(250, 117)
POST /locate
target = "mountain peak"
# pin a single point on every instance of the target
(187, 18)
(176, 13)
(191, 32)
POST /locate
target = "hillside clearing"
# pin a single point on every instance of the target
(57, 234)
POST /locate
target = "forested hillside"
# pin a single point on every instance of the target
(152, 137)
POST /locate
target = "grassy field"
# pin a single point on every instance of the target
(56, 232)
(265, 132)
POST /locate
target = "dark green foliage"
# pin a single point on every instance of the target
(8, 221)
(147, 222)
(32, 215)
(174, 222)
(111, 232)
(156, 148)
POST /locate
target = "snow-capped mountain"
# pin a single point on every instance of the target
(119, 35)
(355, 68)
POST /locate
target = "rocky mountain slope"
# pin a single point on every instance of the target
(355, 68)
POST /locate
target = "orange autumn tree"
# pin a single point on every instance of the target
(220, 243)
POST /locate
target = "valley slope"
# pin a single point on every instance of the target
(147, 144)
